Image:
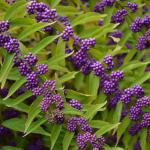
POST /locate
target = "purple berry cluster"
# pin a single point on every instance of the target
(86, 136)
(68, 31)
(136, 26)
(9, 113)
(132, 6)
(74, 122)
(81, 59)
(108, 81)
(35, 144)
(4, 26)
(119, 17)
(28, 68)
(135, 91)
(99, 7)
(6, 41)
(30, 59)
(75, 103)
(42, 13)
(4, 131)
(133, 98)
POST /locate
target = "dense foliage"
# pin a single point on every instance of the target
(74, 74)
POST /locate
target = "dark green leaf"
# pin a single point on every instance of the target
(34, 110)
(60, 50)
(67, 140)
(55, 60)
(54, 3)
(43, 43)
(14, 9)
(7, 66)
(70, 110)
(31, 29)
(18, 124)
(67, 10)
(117, 113)
(55, 133)
(15, 86)
(122, 127)
(93, 109)
(143, 137)
(87, 17)
(67, 77)
(77, 95)
(106, 128)
(35, 126)
(12, 102)
(22, 22)
(10, 148)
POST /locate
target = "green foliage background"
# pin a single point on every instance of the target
(82, 88)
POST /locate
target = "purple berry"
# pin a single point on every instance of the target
(30, 59)
(75, 103)
(42, 69)
(132, 6)
(24, 69)
(12, 46)
(4, 26)
(68, 31)
(98, 68)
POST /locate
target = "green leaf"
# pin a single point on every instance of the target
(133, 65)
(15, 124)
(54, 3)
(11, 148)
(93, 109)
(112, 148)
(93, 84)
(98, 32)
(33, 112)
(15, 87)
(67, 10)
(4, 5)
(14, 9)
(117, 113)
(56, 59)
(87, 17)
(12, 102)
(125, 38)
(67, 140)
(43, 43)
(60, 50)
(77, 95)
(31, 29)
(34, 127)
(106, 128)
(55, 133)
(7, 66)
(22, 22)
(98, 123)
(21, 107)
(18, 124)
(67, 77)
(122, 127)
(142, 79)
(130, 55)
(70, 110)
(103, 30)
(58, 68)
(143, 137)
